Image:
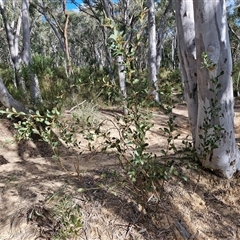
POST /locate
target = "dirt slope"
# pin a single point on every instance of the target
(32, 183)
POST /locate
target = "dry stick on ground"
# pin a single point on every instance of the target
(69, 111)
(182, 230)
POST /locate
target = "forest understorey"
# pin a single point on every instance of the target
(32, 185)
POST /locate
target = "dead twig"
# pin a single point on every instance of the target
(79, 104)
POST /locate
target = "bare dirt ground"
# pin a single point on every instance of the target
(31, 182)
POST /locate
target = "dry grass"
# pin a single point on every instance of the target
(204, 207)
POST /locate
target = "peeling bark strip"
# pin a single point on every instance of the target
(211, 30)
(8, 101)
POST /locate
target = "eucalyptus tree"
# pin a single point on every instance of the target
(152, 46)
(86, 44)
(13, 20)
(214, 131)
(26, 57)
(96, 11)
(161, 29)
(56, 15)
(8, 101)
(155, 40)
(129, 21)
(4, 52)
(12, 26)
(120, 50)
(119, 22)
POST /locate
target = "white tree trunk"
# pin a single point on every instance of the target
(211, 31)
(12, 34)
(8, 101)
(35, 92)
(26, 55)
(122, 82)
(152, 64)
(187, 58)
(174, 44)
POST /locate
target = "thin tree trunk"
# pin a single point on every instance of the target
(35, 92)
(187, 58)
(160, 33)
(152, 65)
(55, 27)
(109, 60)
(122, 82)
(65, 37)
(173, 52)
(99, 57)
(120, 63)
(107, 9)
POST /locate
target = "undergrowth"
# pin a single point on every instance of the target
(144, 172)
(143, 169)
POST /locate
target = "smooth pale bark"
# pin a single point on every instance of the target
(211, 31)
(26, 55)
(152, 64)
(187, 58)
(13, 34)
(35, 92)
(8, 101)
(174, 48)
(122, 82)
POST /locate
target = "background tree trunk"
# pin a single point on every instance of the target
(122, 83)
(35, 92)
(152, 52)
(12, 34)
(160, 34)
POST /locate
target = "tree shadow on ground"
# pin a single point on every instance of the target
(110, 208)
(204, 207)
(31, 176)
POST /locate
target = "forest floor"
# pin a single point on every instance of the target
(32, 183)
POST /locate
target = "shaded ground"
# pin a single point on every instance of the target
(32, 183)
